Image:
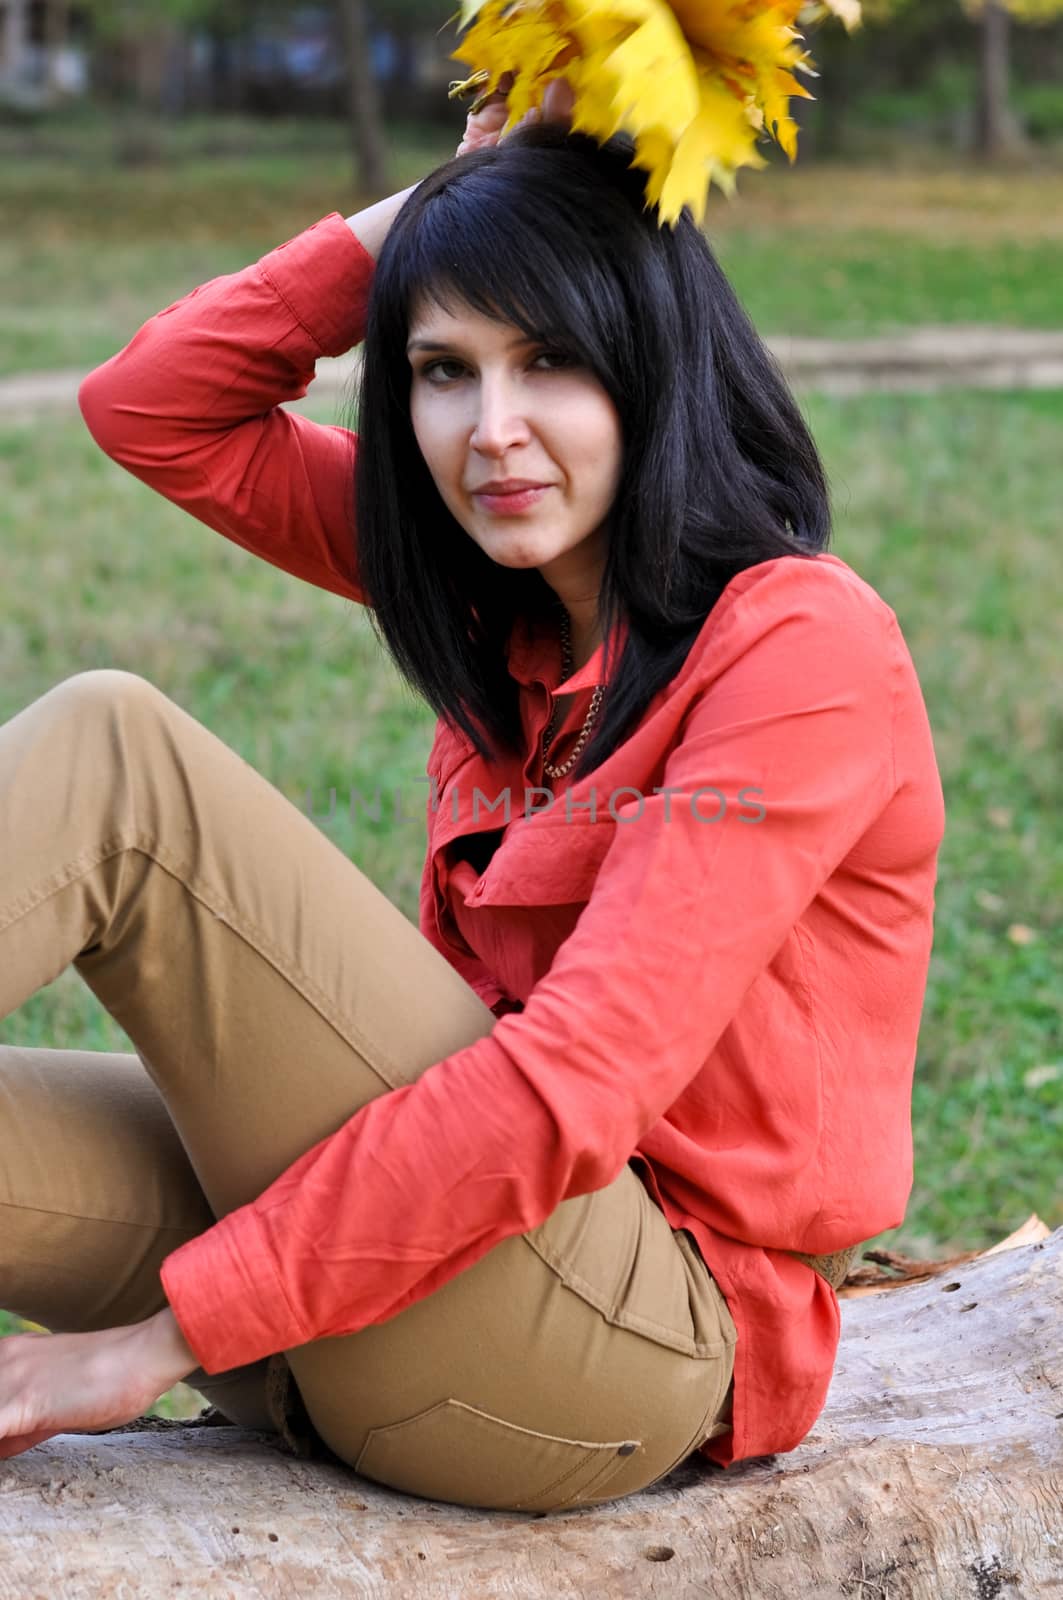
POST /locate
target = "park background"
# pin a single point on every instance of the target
(142, 155)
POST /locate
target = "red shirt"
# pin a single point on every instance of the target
(722, 988)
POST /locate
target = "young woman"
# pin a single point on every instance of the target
(520, 1209)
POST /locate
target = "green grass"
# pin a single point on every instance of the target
(876, 282)
(90, 249)
(87, 253)
(946, 505)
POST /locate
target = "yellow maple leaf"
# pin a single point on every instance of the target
(695, 83)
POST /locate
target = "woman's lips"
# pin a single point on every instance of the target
(512, 504)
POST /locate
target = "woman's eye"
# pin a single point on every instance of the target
(435, 366)
(434, 371)
(559, 356)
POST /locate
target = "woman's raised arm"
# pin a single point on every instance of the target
(193, 406)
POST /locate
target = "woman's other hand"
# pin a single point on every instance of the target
(483, 128)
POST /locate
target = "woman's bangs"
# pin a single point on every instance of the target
(454, 260)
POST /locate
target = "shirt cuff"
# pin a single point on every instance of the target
(324, 276)
(227, 1298)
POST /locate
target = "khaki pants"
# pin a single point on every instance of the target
(271, 990)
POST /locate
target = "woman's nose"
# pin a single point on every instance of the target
(500, 421)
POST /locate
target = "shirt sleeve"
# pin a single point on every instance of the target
(684, 915)
(193, 406)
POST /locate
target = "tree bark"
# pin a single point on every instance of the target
(935, 1472)
(993, 131)
(55, 32)
(367, 132)
(14, 38)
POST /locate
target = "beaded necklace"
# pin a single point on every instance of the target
(596, 700)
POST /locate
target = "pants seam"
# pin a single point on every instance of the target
(263, 946)
(219, 906)
(601, 1476)
(82, 1216)
(64, 876)
(683, 1344)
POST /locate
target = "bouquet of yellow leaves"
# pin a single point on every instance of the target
(695, 83)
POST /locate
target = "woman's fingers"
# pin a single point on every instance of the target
(556, 106)
(558, 101)
(484, 127)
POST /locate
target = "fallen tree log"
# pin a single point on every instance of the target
(934, 1473)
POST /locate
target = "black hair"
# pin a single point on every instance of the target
(551, 232)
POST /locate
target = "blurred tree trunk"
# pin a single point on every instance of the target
(56, 21)
(993, 129)
(367, 131)
(822, 121)
(14, 37)
(150, 61)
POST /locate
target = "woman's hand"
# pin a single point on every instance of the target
(86, 1382)
(483, 128)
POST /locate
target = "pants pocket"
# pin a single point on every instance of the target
(454, 1452)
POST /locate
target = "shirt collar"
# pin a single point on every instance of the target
(533, 652)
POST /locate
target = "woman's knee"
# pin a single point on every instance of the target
(108, 687)
(112, 706)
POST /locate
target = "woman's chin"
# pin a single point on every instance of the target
(517, 550)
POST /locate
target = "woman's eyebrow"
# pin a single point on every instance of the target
(435, 344)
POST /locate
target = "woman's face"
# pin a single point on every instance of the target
(488, 406)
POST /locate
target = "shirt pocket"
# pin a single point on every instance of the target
(550, 864)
